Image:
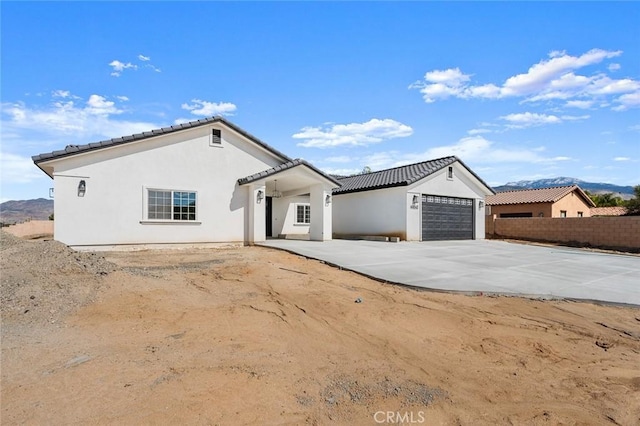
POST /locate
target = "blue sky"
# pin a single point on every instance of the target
(516, 90)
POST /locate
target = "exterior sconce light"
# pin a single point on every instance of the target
(480, 204)
(50, 192)
(327, 200)
(414, 202)
(259, 196)
(82, 188)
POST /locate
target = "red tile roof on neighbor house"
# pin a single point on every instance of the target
(541, 195)
(609, 211)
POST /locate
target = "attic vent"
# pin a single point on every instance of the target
(71, 146)
(216, 137)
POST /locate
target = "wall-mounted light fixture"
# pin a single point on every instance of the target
(50, 192)
(259, 196)
(480, 204)
(327, 200)
(414, 202)
(82, 188)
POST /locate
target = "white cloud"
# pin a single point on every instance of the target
(621, 159)
(122, 98)
(452, 76)
(574, 117)
(529, 119)
(99, 105)
(207, 109)
(613, 67)
(478, 131)
(441, 84)
(341, 172)
(18, 169)
(628, 101)
(60, 94)
(548, 80)
(119, 67)
(353, 134)
(543, 74)
(579, 104)
(68, 120)
(470, 149)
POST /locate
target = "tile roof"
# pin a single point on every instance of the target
(77, 149)
(282, 167)
(397, 176)
(608, 211)
(540, 195)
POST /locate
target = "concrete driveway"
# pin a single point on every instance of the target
(486, 266)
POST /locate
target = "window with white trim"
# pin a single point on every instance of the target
(303, 214)
(171, 205)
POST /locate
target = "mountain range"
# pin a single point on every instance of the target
(624, 192)
(18, 211)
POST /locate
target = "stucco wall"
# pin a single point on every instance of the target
(389, 211)
(621, 232)
(284, 216)
(377, 212)
(112, 209)
(571, 203)
(536, 209)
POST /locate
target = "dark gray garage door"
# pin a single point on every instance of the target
(446, 218)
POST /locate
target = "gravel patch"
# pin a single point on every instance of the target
(43, 280)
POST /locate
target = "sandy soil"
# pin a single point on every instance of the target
(255, 336)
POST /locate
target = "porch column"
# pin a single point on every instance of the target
(257, 213)
(320, 229)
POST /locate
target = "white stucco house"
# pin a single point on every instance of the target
(206, 181)
(440, 199)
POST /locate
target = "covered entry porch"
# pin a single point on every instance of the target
(291, 199)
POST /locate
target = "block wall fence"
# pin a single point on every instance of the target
(615, 232)
(32, 228)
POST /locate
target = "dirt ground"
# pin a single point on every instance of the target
(250, 335)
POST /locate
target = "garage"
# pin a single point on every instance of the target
(446, 218)
(439, 199)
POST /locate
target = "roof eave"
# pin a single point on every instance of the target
(391, 185)
(290, 166)
(139, 137)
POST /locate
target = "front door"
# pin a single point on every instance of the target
(269, 214)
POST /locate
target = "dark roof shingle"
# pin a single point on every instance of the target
(282, 167)
(75, 149)
(397, 176)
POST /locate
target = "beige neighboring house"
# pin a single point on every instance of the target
(560, 201)
(609, 211)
